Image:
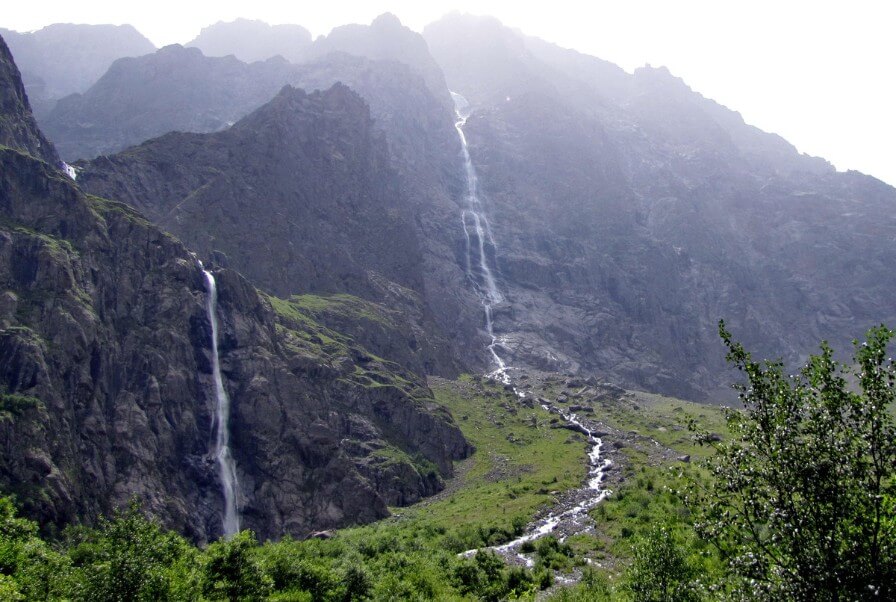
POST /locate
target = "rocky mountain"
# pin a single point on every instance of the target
(173, 89)
(18, 129)
(385, 39)
(251, 41)
(183, 89)
(627, 212)
(165, 91)
(107, 381)
(630, 214)
(64, 58)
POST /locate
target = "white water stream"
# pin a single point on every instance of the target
(69, 171)
(226, 465)
(478, 235)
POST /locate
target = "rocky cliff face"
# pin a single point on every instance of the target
(328, 213)
(106, 338)
(630, 214)
(107, 388)
(422, 145)
(18, 129)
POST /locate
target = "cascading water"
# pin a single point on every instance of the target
(69, 171)
(476, 225)
(226, 465)
(574, 514)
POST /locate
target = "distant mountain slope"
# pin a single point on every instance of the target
(63, 58)
(251, 41)
(631, 213)
(386, 39)
(107, 392)
(178, 89)
(173, 89)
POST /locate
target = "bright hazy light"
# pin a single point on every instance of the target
(817, 72)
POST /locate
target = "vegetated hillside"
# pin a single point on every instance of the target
(63, 58)
(108, 390)
(251, 41)
(630, 214)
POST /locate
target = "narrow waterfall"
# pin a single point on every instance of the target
(69, 171)
(226, 465)
(478, 234)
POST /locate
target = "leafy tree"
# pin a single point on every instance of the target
(130, 557)
(660, 571)
(232, 572)
(31, 569)
(803, 505)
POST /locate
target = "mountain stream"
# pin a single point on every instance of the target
(571, 514)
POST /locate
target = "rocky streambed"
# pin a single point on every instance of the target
(575, 404)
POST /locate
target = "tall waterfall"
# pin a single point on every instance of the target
(478, 234)
(226, 465)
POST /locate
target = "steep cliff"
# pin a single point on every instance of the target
(630, 214)
(108, 393)
(18, 129)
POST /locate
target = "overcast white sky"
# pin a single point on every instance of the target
(820, 73)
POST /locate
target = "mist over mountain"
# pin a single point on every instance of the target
(64, 58)
(251, 41)
(172, 89)
(182, 89)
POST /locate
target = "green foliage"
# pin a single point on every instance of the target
(486, 577)
(803, 504)
(660, 570)
(553, 554)
(231, 571)
(13, 405)
(593, 587)
(34, 570)
(130, 557)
